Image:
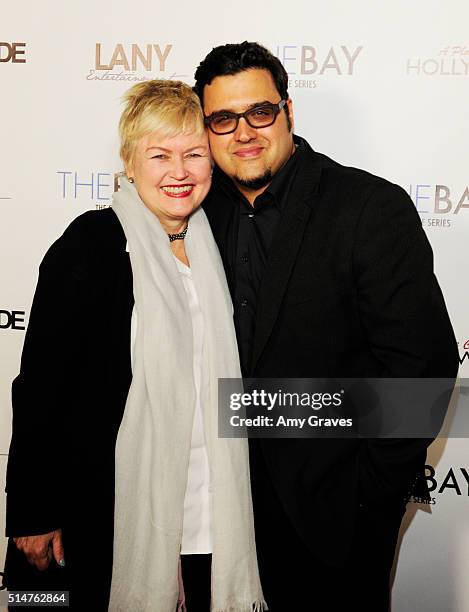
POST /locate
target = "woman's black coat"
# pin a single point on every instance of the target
(68, 402)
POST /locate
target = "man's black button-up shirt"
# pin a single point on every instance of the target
(252, 239)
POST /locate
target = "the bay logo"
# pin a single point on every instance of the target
(305, 61)
(454, 482)
(439, 205)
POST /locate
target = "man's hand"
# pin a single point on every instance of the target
(39, 549)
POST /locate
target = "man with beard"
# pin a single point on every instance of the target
(331, 276)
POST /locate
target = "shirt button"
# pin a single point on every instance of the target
(244, 302)
(244, 258)
(251, 215)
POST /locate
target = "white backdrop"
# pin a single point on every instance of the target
(378, 85)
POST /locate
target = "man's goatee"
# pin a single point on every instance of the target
(254, 184)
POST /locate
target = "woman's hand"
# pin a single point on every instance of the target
(39, 549)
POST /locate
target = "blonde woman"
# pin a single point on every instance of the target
(116, 472)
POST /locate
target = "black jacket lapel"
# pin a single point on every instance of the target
(282, 256)
(222, 210)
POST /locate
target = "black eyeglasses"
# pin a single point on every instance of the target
(257, 117)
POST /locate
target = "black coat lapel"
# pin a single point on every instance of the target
(222, 212)
(283, 253)
(229, 242)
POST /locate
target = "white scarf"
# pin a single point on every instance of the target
(154, 439)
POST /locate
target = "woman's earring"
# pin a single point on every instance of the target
(131, 180)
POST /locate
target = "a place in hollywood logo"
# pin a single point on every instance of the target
(132, 62)
(463, 352)
(439, 205)
(307, 64)
(451, 60)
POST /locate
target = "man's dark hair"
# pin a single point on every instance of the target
(234, 58)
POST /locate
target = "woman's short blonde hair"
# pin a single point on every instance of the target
(167, 107)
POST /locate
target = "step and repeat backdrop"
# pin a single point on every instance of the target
(378, 85)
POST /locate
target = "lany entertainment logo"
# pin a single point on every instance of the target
(133, 62)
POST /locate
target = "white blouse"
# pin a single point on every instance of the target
(197, 532)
